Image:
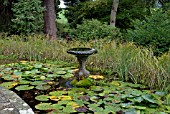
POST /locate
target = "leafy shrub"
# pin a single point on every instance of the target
(28, 16)
(152, 32)
(94, 29)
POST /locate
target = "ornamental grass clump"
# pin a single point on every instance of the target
(129, 62)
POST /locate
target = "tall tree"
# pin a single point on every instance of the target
(50, 19)
(113, 12)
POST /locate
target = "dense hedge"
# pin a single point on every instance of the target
(153, 32)
(94, 29)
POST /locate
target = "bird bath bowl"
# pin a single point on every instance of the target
(82, 55)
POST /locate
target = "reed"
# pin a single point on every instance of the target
(129, 62)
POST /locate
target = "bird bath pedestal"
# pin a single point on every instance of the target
(82, 55)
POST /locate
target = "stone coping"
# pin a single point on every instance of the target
(11, 103)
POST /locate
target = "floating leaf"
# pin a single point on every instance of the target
(61, 72)
(24, 82)
(54, 98)
(149, 98)
(24, 87)
(130, 111)
(9, 85)
(38, 65)
(17, 73)
(57, 106)
(81, 109)
(42, 98)
(139, 107)
(58, 93)
(73, 104)
(38, 83)
(65, 98)
(115, 83)
(43, 87)
(96, 77)
(8, 78)
(67, 76)
(44, 106)
(160, 93)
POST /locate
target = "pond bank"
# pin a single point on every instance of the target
(11, 103)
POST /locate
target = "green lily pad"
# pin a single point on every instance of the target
(43, 87)
(24, 87)
(38, 83)
(44, 106)
(8, 78)
(57, 106)
(42, 98)
(24, 82)
(9, 85)
(150, 98)
(68, 75)
(38, 66)
(139, 107)
(58, 93)
(60, 72)
(17, 73)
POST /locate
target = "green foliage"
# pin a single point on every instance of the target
(123, 61)
(28, 16)
(152, 32)
(113, 97)
(98, 9)
(94, 29)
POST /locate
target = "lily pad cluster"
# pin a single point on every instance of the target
(32, 75)
(100, 97)
(117, 98)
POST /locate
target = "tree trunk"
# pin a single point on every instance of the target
(50, 19)
(113, 12)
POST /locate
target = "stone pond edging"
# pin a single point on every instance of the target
(11, 103)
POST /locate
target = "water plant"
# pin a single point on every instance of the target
(33, 79)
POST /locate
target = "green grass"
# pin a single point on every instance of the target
(127, 61)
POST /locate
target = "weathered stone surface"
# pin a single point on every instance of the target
(11, 103)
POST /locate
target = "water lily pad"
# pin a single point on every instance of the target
(43, 87)
(65, 98)
(38, 65)
(24, 82)
(42, 98)
(8, 78)
(60, 72)
(139, 107)
(44, 106)
(58, 93)
(57, 107)
(115, 83)
(24, 87)
(81, 109)
(38, 83)
(9, 85)
(54, 98)
(150, 98)
(96, 77)
(68, 75)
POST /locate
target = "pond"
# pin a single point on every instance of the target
(42, 86)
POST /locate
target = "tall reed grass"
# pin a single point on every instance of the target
(129, 62)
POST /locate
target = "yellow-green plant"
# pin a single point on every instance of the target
(129, 62)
